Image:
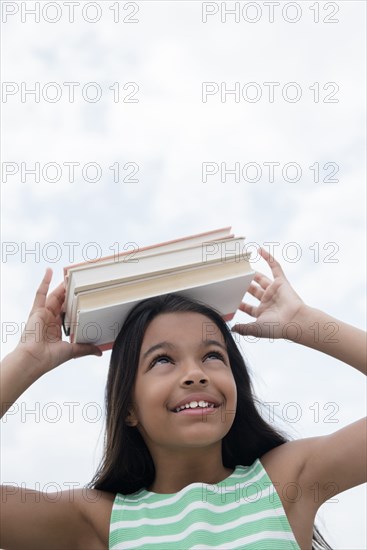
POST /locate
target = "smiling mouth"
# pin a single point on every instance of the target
(196, 407)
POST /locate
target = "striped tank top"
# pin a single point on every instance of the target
(242, 511)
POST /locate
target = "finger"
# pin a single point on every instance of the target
(248, 308)
(56, 299)
(81, 350)
(248, 329)
(262, 280)
(255, 291)
(40, 297)
(273, 264)
(68, 351)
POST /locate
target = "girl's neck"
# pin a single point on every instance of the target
(173, 472)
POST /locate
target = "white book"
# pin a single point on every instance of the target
(100, 314)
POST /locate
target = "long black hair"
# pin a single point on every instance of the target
(127, 465)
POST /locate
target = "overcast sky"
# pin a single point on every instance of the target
(150, 121)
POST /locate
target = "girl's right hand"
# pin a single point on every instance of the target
(278, 304)
(41, 341)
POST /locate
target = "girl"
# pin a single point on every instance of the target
(188, 461)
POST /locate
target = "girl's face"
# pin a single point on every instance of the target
(183, 359)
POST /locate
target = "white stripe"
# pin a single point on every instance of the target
(264, 535)
(196, 527)
(132, 524)
(178, 496)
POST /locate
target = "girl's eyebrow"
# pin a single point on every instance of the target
(158, 346)
(205, 343)
(214, 343)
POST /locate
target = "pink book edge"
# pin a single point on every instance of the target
(181, 239)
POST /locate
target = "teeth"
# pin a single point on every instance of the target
(194, 405)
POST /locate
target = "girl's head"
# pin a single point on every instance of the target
(183, 359)
(168, 349)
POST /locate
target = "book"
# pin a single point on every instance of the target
(153, 263)
(86, 273)
(99, 296)
(166, 246)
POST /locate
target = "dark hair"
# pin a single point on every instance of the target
(127, 465)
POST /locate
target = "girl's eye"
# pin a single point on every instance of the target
(160, 360)
(215, 355)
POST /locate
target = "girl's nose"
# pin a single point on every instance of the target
(189, 381)
(194, 374)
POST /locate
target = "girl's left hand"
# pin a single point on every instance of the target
(278, 305)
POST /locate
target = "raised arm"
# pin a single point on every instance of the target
(31, 519)
(40, 348)
(335, 462)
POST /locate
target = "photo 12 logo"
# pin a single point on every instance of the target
(67, 251)
(68, 171)
(269, 92)
(269, 12)
(268, 172)
(68, 92)
(70, 12)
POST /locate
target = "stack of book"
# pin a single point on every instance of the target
(210, 267)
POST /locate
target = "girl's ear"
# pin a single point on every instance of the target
(131, 419)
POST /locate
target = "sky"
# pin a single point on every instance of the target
(125, 124)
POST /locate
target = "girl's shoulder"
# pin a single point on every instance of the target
(286, 459)
(96, 507)
(284, 466)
